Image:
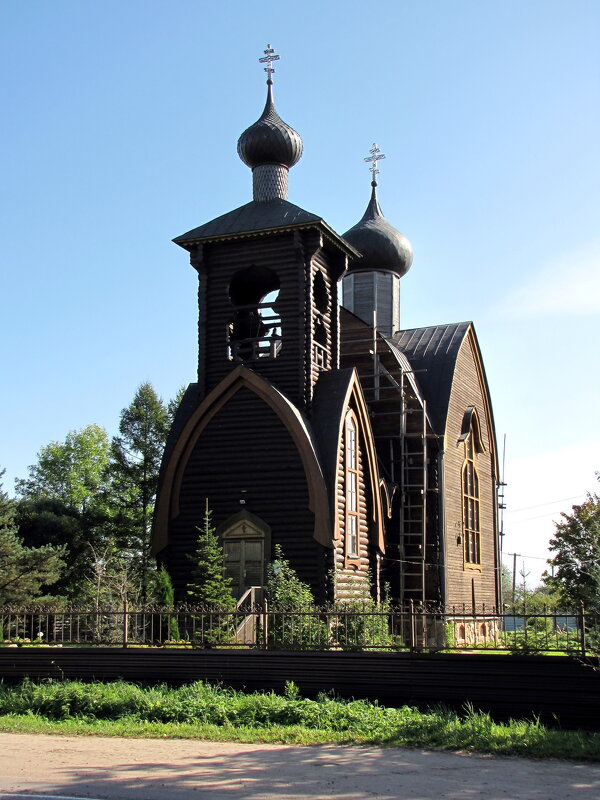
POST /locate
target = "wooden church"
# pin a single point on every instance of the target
(366, 451)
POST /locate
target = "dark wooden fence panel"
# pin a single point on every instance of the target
(559, 690)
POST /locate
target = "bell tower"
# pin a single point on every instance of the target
(268, 272)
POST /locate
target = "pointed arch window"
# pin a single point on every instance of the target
(470, 494)
(351, 480)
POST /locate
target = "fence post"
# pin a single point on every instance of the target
(412, 626)
(125, 622)
(582, 628)
(265, 624)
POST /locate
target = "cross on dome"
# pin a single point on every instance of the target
(376, 155)
(268, 58)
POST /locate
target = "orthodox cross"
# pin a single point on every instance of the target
(376, 155)
(268, 58)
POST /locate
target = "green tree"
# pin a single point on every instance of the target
(49, 522)
(210, 585)
(72, 472)
(64, 503)
(576, 559)
(174, 404)
(24, 571)
(210, 588)
(134, 466)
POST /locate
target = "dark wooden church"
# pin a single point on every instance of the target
(366, 451)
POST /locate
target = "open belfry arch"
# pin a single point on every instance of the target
(316, 423)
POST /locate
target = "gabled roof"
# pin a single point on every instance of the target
(432, 353)
(329, 401)
(261, 216)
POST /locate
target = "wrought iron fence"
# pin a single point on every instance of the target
(349, 626)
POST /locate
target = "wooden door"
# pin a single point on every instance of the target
(245, 564)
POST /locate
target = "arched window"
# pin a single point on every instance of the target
(470, 493)
(351, 479)
(320, 294)
(321, 353)
(255, 331)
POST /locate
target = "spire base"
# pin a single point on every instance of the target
(269, 182)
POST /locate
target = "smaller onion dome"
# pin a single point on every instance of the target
(381, 245)
(269, 140)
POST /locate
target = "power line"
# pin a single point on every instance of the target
(548, 503)
(520, 555)
(538, 516)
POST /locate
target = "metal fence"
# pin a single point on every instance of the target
(351, 626)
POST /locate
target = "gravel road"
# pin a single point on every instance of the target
(150, 769)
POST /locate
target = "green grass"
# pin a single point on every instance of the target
(203, 711)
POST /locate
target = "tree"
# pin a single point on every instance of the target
(210, 588)
(134, 466)
(24, 571)
(64, 502)
(576, 563)
(49, 522)
(72, 472)
(164, 597)
(210, 585)
(174, 403)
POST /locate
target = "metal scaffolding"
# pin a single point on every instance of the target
(399, 420)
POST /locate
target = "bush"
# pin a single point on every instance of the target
(363, 624)
(294, 622)
(164, 597)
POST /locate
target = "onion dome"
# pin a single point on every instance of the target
(382, 246)
(270, 140)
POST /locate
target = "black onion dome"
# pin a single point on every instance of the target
(269, 140)
(380, 244)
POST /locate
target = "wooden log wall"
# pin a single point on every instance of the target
(352, 575)
(469, 583)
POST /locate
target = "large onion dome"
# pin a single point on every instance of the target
(381, 245)
(270, 140)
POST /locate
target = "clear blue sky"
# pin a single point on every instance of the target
(119, 132)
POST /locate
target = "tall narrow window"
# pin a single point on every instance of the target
(470, 491)
(351, 488)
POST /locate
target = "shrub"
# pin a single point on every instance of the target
(164, 597)
(363, 624)
(294, 622)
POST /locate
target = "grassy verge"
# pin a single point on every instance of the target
(206, 712)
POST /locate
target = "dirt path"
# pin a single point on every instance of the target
(150, 769)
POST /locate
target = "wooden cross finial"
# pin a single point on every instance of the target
(268, 58)
(376, 155)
